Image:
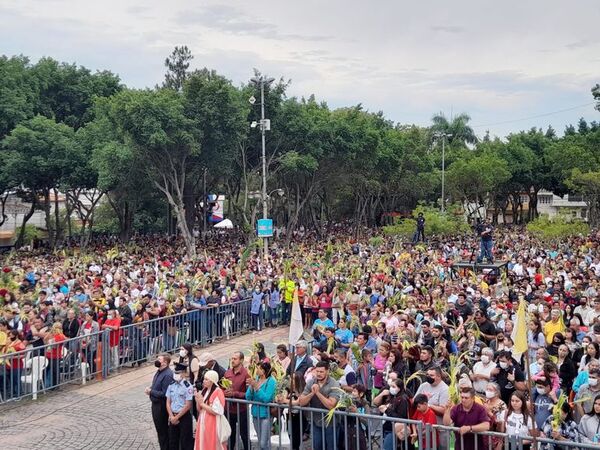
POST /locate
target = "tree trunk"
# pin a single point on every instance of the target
(19, 242)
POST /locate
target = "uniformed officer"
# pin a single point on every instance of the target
(157, 393)
(180, 395)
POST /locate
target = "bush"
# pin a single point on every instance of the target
(557, 228)
(31, 232)
(449, 223)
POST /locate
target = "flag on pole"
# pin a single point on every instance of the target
(519, 333)
(296, 328)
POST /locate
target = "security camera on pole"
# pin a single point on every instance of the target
(265, 226)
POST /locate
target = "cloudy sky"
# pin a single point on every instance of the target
(498, 61)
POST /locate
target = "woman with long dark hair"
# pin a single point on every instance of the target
(396, 405)
(589, 425)
(565, 430)
(262, 390)
(566, 369)
(518, 420)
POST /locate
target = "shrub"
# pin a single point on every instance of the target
(556, 228)
(449, 223)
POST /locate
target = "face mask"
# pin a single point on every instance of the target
(490, 394)
(485, 359)
(540, 390)
(177, 377)
(157, 364)
(394, 390)
(182, 353)
(429, 380)
(504, 365)
(110, 316)
(592, 381)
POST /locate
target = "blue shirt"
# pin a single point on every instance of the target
(327, 323)
(345, 336)
(179, 394)
(264, 394)
(257, 298)
(371, 345)
(274, 299)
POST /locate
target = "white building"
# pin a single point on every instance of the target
(569, 205)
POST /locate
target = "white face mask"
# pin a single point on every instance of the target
(592, 381)
(540, 390)
(504, 365)
(394, 390)
(177, 377)
(540, 362)
(182, 353)
(485, 359)
(490, 394)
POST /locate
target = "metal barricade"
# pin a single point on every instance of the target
(98, 355)
(281, 426)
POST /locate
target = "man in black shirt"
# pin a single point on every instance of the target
(157, 393)
(465, 308)
(420, 233)
(485, 232)
(486, 327)
(508, 375)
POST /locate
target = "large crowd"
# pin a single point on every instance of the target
(391, 328)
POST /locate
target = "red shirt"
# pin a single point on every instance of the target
(55, 351)
(17, 362)
(113, 339)
(428, 417)
(238, 389)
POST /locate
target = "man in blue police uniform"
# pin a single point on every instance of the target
(157, 393)
(180, 396)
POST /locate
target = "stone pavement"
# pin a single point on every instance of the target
(111, 414)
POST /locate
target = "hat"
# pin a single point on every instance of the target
(212, 376)
(205, 358)
(179, 367)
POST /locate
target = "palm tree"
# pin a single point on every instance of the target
(458, 127)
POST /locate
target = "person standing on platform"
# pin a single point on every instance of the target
(180, 394)
(486, 234)
(157, 393)
(420, 232)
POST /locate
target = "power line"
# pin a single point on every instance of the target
(533, 117)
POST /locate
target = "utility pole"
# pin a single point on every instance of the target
(204, 208)
(443, 137)
(264, 127)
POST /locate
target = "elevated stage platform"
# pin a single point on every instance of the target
(485, 268)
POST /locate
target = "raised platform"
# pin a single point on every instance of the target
(480, 267)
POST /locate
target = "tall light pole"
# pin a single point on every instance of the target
(443, 136)
(265, 125)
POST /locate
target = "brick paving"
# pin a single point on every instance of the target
(111, 414)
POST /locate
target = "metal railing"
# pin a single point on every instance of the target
(282, 427)
(92, 356)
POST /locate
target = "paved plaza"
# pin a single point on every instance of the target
(112, 414)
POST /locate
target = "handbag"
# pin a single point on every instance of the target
(223, 428)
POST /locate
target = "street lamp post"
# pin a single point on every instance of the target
(262, 81)
(443, 136)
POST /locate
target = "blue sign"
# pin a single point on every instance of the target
(265, 228)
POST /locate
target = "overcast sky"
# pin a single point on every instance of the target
(497, 61)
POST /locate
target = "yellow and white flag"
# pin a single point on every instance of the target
(296, 328)
(519, 333)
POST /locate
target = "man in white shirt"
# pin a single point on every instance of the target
(583, 309)
(482, 370)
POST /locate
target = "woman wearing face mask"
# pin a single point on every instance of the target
(566, 369)
(397, 404)
(482, 371)
(518, 420)
(187, 357)
(589, 426)
(557, 340)
(494, 407)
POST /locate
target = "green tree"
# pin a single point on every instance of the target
(38, 154)
(177, 65)
(588, 184)
(155, 125)
(18, 96)
(458, 127)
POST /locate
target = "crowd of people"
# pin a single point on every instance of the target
(393, 327)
